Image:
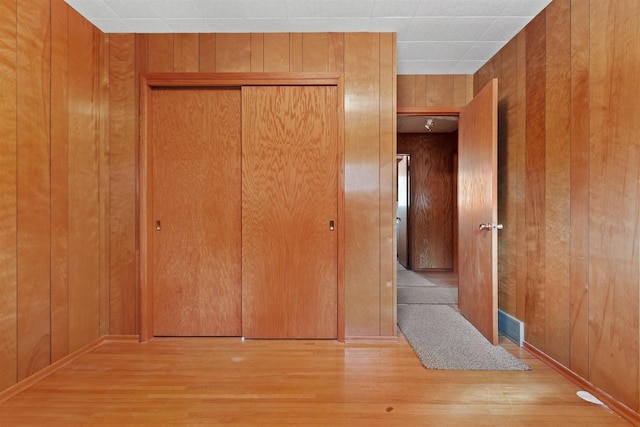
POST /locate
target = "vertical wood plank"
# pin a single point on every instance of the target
(161, 53)
(186, 52)
(579, 349)
(387, 201)
(33, 186)
(521, 166)
(421, 91)
(483, 75)
(8, 196)
(59, 182)
(614, 202)
(431, 207)
(233, 52)
(207, 53)
(281, 299)
(103, 153)
(406, 91)
(439, 89)
(362, 177)
(196, 144)
(84, 203)
(535, 182)
(315, 52)
(122, 217)
(460, 90)
(295, 52)
(558, 180)
(257, 52)
(336, 52)
(470, 80)
(507, 175)
(276, 52)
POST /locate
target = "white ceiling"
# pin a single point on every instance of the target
(434, 36)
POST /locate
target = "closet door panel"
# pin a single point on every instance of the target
(196, 252)
(289, 201)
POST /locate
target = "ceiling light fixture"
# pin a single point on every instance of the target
(430, 125)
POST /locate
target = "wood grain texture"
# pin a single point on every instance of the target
(507, 175)
(276, 52)
(33, 186)
(439, 90)
(233, 52)
(388, 143)
(362, 179)
(196, 143)
(407, 91)
(477, 204)
(614, 199)
(421, 91)
(484, 75)
(315, 52)
(461, 89)
(186, 52)
(182, 381)
(160, 54)
(122, 218)
(102, 88)
(579, 344)
(207, 53)
(257, 52)
(521, 166)
(289, 253)
(558, 181)
(84, 184)
(295, 52)
(435, 90)
(590, 187)
(336, 52)
(8, 197)
(59, 181)
(535, 313)
(431, 205)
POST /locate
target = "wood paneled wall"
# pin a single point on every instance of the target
(434, 90)
(69, 123)
(53, 213)
(368, 62)
(431, 211)
(570, 187)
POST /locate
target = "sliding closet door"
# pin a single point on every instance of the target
(196, 190)
(289, 209)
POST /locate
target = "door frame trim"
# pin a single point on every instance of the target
(149, 81)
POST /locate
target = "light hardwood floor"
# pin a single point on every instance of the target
(213, 381)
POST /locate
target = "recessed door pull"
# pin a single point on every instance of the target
(157, 225)
(331, 225)
(488, 226)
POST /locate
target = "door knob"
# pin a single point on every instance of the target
(489, 226)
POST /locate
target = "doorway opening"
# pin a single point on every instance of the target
(426, 218)
(427, 208)
(473, 210)
(403, 178)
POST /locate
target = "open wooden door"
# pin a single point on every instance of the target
(478, 211)
(402, 219)
(289, 212)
